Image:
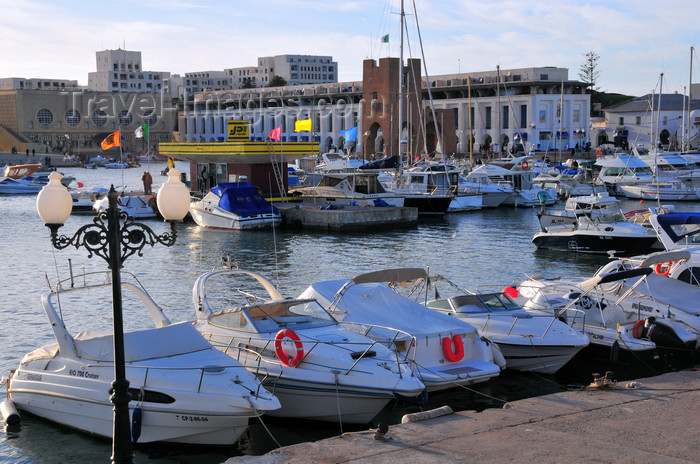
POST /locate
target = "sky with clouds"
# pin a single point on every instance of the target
(636, 40)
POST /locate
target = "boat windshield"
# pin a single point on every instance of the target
(296, 314)
(482, 303)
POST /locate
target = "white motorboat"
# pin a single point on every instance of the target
(11, 186)
(592, 224)
(617, 170)
(349, 189)
(84, 200)
(185, 390)
(494, 192)
(446, 352)
(318, 369)
(612, 306)
(236, 206)
(667, 190)
(136, 206)
(339, 162)
(529, 342)
(526, 194)
(433, 179)
(32, 173)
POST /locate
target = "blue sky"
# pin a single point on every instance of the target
(636, 39)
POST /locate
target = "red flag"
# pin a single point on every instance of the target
(112, 140)
(276, 133)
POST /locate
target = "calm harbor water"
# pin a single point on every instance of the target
(489, 247)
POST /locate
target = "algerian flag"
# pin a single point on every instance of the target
(385, 38)
(141, 132)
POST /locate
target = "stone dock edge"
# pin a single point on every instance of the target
(651, 420)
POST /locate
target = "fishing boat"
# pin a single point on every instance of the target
(529, 342)
(618, 170)
(234, 206)
(183, 390)
(592, 224)
(445, 351)
(318, 369)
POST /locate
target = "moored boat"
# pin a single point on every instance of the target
(236, 206)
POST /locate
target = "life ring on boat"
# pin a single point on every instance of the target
(284, 359)
(638, 329)
(451, 355)
(664, 268)
(524, 165)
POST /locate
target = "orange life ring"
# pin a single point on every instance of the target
(664, 268)
(638, 329)
(524, 165)
(447, 348)
(284, 359)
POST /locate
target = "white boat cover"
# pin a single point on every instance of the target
(377, 304)
(678, 294)
(171, 340)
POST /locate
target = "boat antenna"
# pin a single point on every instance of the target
(274, 235)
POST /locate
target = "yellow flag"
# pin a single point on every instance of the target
(171, 162)
(303, 125)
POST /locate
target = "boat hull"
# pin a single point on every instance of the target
(217, 218)
(428, 205)
(593, 243)
(537, 358)
(56, 398)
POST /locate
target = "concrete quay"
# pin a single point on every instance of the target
(308, 215)
(656, 422)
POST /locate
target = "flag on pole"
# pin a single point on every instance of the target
(171, 162)
(303, 125)
(112, 140)
(350, 134)
(276, 134)
(142, 131)
(385, 38)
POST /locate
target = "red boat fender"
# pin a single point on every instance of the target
(451, 355)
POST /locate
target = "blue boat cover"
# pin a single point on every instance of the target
(243, 199)
(680, 225)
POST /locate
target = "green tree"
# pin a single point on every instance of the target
(248, 83)
(277, 81)
(588, 72)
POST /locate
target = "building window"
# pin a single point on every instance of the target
(72, 117)
(44, 116)
(99, 118)
(621, 121)
(577, 115)
(639, 120)
(543, 116)
(124, 118)
(149, 117)
(487, 121)
(665, 120)
(523, 116)
(504, 112)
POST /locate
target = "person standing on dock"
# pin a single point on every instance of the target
(147, 182)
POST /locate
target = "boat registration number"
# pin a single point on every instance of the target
(191, 418)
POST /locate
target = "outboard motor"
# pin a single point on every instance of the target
(662, 335)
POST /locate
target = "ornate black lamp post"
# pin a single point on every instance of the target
(114, 237)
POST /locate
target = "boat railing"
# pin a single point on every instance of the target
(211, 369)
(369, 329)
(268, 345)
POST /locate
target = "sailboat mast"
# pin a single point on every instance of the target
(686, 132)
(498, 112)
(400, 122)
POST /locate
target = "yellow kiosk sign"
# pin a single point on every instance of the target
(238, 131)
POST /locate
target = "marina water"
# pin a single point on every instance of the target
(487, 248)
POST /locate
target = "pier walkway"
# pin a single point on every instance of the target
(657, 422)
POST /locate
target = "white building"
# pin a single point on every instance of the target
(121, 71)
(652, 120)
(21, 83)
(535, 108)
